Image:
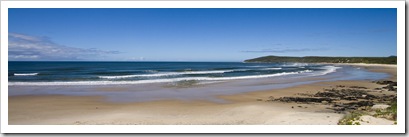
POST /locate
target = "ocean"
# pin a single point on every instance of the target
(146, 81)
(102, 73)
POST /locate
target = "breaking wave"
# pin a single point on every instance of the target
(25, 74)
(154, 80)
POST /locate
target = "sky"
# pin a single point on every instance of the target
(198, 34)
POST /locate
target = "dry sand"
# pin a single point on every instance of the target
(248, 108)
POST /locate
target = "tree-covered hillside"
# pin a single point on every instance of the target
(318, 59)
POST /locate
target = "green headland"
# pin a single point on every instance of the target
(323, 59)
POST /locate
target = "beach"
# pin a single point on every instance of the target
(247, 108)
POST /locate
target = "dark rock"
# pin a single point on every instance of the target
(358, 87)
(360, 103)
(341, 86)
(385, 82)
(304, 99)
(350, 98)
(390, 85)
(345, 94)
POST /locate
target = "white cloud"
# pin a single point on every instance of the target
(25, 47)
(24, 37)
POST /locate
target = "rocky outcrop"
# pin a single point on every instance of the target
(304, 99)
(390, 85)
(343, 98)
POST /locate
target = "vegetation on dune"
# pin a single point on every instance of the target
(318, 59)
(351, 118)
(389, 113)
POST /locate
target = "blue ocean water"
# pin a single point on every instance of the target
(148, 81)
(103, 73)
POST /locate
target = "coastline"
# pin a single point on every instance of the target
(248, 108)
(385, 68)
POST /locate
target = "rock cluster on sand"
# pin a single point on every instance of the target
(303, 99)
(343, 98)
(390, 85)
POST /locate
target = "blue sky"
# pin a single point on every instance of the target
(198, 34)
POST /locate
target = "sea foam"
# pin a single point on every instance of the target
(327, 70)
(271, 68)
(25, 74)
(166, 74)
(295, 64)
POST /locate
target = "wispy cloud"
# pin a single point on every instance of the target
(284, 50)
(25, 47)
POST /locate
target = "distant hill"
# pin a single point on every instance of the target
(319, 59)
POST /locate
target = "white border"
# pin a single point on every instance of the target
(399, 128)
(202, 4)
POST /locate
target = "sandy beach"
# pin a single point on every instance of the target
(251, 108)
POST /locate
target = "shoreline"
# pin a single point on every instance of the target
(241, 109)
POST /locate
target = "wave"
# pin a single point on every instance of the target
(240, 70)
(271, 68)
(254, 66)
(166, 74)
(261, 76)
(150, 71)
(295, 64)
(25, 74)
(327, 70)
(152, 81)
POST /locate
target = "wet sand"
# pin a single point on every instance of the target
(246, 108)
